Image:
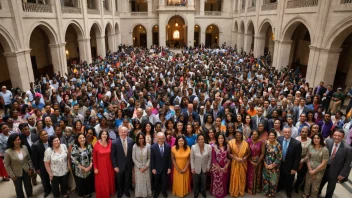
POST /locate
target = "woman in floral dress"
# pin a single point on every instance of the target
(272, 161)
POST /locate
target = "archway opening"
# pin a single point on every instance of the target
(212, 36)
(108, 38)
(5, 78)
(72, 46)
(343, 76)
(176, 32)
(250, 37)
(240, 36)
(155, 31)
(41, 56)
(266, 44)
(94, 33)
(196, 35)
(117, 33)
(139, 36)
(269, 41)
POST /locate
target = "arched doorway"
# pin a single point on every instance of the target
(196, 35)
(176, 32)
(117, 35)
(266, 42)
(343, 76)
(139, 36)
(41, 56)
(240, 36)
(249, 38)
(155, 31)
(72, 46)
(212, 36)
(234, 34)
(95, 36)
(109, 38)
(5, 78)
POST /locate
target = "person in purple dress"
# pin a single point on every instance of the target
(255, 163)
(220, 167)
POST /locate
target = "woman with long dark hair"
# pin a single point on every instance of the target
(148, 130)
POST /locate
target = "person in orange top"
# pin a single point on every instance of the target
(251, 111)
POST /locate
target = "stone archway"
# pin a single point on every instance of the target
(197, 35)
(249, 37)
(155, 32)
(97, 42)
(240, 36)
(212, 34)
(265, 40)
(139, 36)
(5, 77)
(117, 35)
(73, 35)
(109, 38)
(176, 32)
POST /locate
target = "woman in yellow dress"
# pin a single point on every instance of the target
(180, 155)
(239, 152)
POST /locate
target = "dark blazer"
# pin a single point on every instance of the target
(38, 151)
(321, 91)
(118, 157)
(34, 138)
(195, 116)
(341, 163)
(158, 162)
(293, 155)
(262, 120)
(296, 113)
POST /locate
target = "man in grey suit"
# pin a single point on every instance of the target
(339, 164)
(297, 111)
(259, 118)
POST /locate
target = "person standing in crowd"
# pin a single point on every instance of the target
(326, 125)
(104, 173)
(255, 163)
(160, 160)
(317, 159)
(38, 149)
(201, 154)
(18, 165)
(4, 136)
(272, 162)
(339, 164)
(141, 160)
(291, 158)
(180, 155)
(239, 153)
(6, 99)
(56, 164)
(121, 157)
(302, 170)
(82, 163)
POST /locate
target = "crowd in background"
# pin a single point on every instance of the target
(150, 120)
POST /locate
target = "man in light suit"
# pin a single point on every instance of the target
(121, 157)
(200, 165)
(160, 162)
(297, 111)
(291, 158)
(339, 164)
(259, 118)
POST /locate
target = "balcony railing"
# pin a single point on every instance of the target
(302, 3)
(70, 10)
(139, 13)
(93, 11)
(269, 6)
(34, 7)
(212, 13)
(346, 1)
(251, 9)
(177, 3)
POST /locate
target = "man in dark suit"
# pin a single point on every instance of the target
(259, 118)
(320, 90)
(291, 158)
(189, 112)
(121, 157)
(327, 98)
(301, 108)
(160, 161)
(339, 164)
(38, 148)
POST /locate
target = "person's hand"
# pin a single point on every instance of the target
(293, 172)
(340, 178)
(154, 171)
(51, 177)
(254, 164)
(14, 178)
(117, 170)
(312, 172)
(168, 171)
(96, 171)
(193, 171)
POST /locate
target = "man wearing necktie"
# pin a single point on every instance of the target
(291, 158)
(339, 164)
(121, 157)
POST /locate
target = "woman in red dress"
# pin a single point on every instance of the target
(103, 170)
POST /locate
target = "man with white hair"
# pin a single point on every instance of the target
(151, 117)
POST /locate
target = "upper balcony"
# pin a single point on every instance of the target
(176, 3)
(70, 7)
(37, 7)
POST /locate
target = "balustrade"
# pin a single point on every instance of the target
(34, 7)
(302, 3)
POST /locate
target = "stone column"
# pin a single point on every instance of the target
(85, 53)
(101, 46)
(190, 31)
(274, 54)
(201, 8)
(58, 57)
(162, 31)
(248, 39)
(117, 39)
(202, 36)
(150, 8)
(234, 38)
(149, 37)
(20, 68)
(284, 54)
(111, 42)
(259, 46)
(240, 41)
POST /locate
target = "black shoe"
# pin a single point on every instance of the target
(156, 195)
(119, 195)
(164, 194)
(204, 194)
(296, 189)
(127, 193)
(196, 194)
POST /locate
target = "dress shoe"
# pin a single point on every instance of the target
(196, 194)
(156, 195)
(127, 193)
(204, 194)
(164, 194)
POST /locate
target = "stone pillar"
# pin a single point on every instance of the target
(149, 38)
(240, 41)
(190, 31)
(202, 36)
(162, 31)
(20, 69)
(111, 45)
(101, 46)
(283, 54)
(234, 38)
(117, 39)
(85, 53)
(201, 8)
(274, 54)
(248, 39)
(58, 57)
(259, 46)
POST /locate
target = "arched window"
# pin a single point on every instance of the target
(176, 34)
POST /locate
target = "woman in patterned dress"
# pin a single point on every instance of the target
(220, 167)
(272, 161)
(255, 163)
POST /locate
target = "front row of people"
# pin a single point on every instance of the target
(257, 166)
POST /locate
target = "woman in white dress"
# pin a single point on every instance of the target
(141, 159)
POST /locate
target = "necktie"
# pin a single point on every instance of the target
(161, 150)
(124, 147)
(334, 152)
(285, 149)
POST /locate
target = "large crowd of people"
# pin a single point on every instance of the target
(148, 121)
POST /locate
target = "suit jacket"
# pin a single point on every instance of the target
(270, 111)
(14, 166)
(341, 163)
(118, 157)
(34, 138)
(201, 162)
(328, 97)
(158, 162)
(296, 113)
(38, 151)
(195, 116)
(293, 155)
(263, 120)
(321, 91)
